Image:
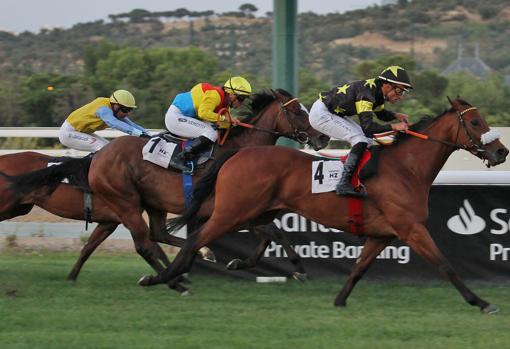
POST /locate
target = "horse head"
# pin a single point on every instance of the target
(475, 135)
(295, 123)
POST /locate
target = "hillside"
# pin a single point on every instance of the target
(329, 44)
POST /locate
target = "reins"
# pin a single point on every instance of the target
(235, 122)
(432, 139)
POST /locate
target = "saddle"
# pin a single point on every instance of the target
(163, 147)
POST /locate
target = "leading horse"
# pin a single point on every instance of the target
(120, 179)
(397, 205)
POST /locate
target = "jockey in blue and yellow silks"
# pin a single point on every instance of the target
(192, 114)
(78, 130)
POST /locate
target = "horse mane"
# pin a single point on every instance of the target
(425, 122)
(257, 103)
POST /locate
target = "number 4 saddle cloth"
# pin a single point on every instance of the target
(327, 170)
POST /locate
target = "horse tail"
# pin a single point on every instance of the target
(202, 190)
(75, 169)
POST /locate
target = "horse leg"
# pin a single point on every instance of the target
(157, 220)
(100, 233)
(270, 233)
(211, 230)
(132, 219)
(371, 249)
(162, 235)
(250, 262)
(421, 242)
(278, 236)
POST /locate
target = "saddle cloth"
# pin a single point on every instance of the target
(162, 148)
(327, 172)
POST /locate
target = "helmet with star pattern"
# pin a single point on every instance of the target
(396, 75)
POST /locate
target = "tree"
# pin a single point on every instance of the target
(491, 96)
(154, 76)
(248, 10)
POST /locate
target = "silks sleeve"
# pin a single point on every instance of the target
(106, 114)
(366, 119)
(135, 125)
(210, 101)
(384, 114)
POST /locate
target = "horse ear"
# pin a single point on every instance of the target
(454, 103)
(276, 95)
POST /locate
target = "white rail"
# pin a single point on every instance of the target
(461, 168)
(52, 132)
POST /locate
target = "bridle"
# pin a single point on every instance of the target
(474, 147)
(301, 137)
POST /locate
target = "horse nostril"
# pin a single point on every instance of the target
(503, 152)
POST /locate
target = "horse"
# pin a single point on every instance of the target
(67, 201)
(119, 177)
(396, 207)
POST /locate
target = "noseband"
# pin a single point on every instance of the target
(474, 147)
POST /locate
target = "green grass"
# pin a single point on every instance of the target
(106, 309)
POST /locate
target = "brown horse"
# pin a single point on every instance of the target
(127, 184)
(397, 205)
(67, 201)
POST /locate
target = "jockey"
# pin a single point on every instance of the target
(77, 131)
(331, 113)
(192, 114)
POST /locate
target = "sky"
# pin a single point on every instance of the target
(32, 15)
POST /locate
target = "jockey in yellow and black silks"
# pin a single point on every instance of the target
(331, 114)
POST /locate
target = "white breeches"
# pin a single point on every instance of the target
(73, 139)
(341, 128)
(186, 126)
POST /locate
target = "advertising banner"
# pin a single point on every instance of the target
(470, 225)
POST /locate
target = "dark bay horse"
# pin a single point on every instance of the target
(67, 201)
(397, 205)
(127, 184)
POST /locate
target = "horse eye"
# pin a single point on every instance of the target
(475, 122)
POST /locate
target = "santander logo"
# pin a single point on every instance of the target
(466, 222)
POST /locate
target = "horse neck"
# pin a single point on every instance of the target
(252, 137)
(421, 160)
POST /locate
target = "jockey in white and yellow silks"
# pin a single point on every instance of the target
(78, 130)
(331, 114)
(193, 114)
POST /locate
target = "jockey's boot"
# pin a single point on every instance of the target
(345, 187)
(181, 160)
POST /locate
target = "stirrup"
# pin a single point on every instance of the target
(351, 191)
(183, 166)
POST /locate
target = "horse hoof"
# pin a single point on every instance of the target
(340, 303)
(491, 309)
(300, 276)
(207, 254)
(233, 264)
(145, 280)
(186, 293)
